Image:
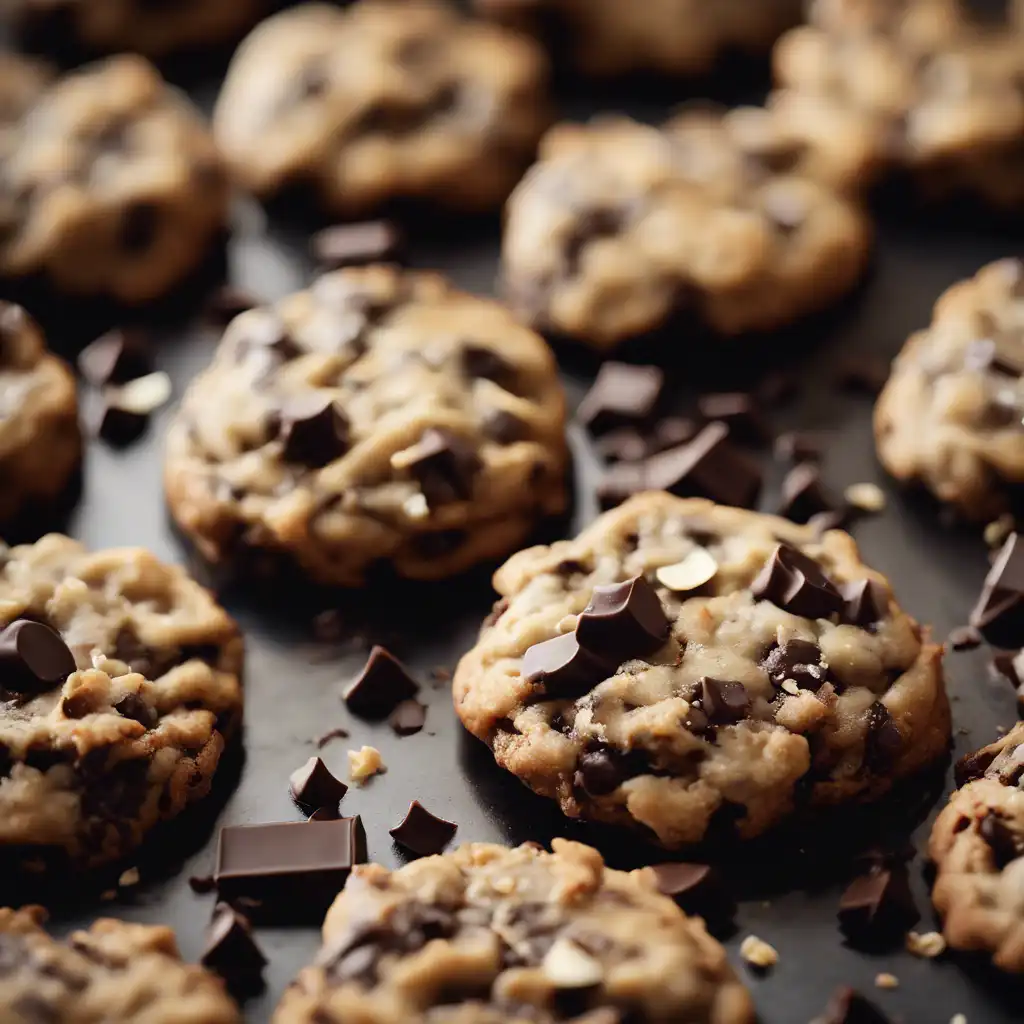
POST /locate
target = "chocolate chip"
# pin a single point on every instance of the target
(140, 222)
(799, 660)
(850, 1007)
(796, 584)
(33, 658)
(739, 411)
(562, 670)
(622, 395)
(623, 621)
(202, 884)
(313, 786)
(329, 813)
(964, 638)
(999, 612)
(421, 832)
(878, 907)
(866, 603)
(722, 701)
(1001, 839)
(232, 953)
(118, 426)
(883, 743)
(133, 706)
(314, 432)
(803, 495)
(443, 464)
(504, 427)
(622, 445)
(795, 446)
(864, 374)
(226, 303)
(697, 888)
(408, 718)
(602, 770)
(116, 357)
(352, 245)
(382, 685)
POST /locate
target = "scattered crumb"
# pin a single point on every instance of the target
(333, 734)
(364, 764)
(998, 530)
(128, 878)
(866, 497)
(929, 944)
(758, 953)
(886, 980)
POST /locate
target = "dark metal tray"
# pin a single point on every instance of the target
(789, 890)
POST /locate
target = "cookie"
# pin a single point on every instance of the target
(977, 844)
(115, 711)
(950, 415)
(110, 185)
(380, 419)
(382, 102)
(622, 229)
(128, 26)
(675, 37)
(920, 88)
(492, 935)
(40, 441)
(691, 670)
(113, 971)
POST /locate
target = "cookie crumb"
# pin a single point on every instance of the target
(928, 944)
(333, 734)
(364, 764)
(998, 530)
(886, 980)
(758, 953)
(129, 878)
(867, 497)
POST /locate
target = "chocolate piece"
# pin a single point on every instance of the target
(622, 445)
(353, 245)
(866, 602)
(797, 584)
(878, 907)
(964, 638)
(115, 358)
(1001, 839)
(795, 446)
(697, 888)
(313, 786)
(623, 621)
(443, 464)
(421, 832)
(708, 467)
(408, 717)
(288, 871)
(863, 374)
(803, 495)
(202, 884)
(33, 658)
(738, 411)
(482, 363)
(999, 612)
(671, 432)
(884, 742)
(622, 395)
(332, 734)
(504, 427)
(602, 770)
(724, 702)
(331, 813)
(223, 305)
(134, 707)
(232, 953)
(972, 766)
(383, 684)
(562, 670)
(850, 1007)
(120, 427)
(799, 660)
(314, 432)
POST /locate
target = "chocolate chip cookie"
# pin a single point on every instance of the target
(676, 37)
(491, 935)
(110, 185)
(621, 229)
(379, 419)
(119, 687)
(977, 844)
(381, 102)
(872, 88)
(40, 442)
(950, 416)
(113, 971)
(684, 668)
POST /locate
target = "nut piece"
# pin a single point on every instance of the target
(928, 945)
(886, 980)
(867, 497)
(364, 764)
(568, 966)
(696, 569)
(145, 394)
(758, 953)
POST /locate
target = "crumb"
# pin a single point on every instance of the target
(886, 980)
(333, 734)
(364, 764)
(866, 497)
(129, 877)
(998, 530)
(928, 945)
(758, 953)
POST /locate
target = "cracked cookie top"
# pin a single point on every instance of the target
(681, 665)
(379, 416)
(621, 226)
(382, 101)
(113, 971)
(131, 724)
(490, 935)
(951, 413)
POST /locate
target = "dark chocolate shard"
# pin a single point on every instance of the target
(797, 584)
(866, 603)
(1004, 843)
(603, 769)
(314, 432)
(723, 701)
(232, 952)
(383, 684)
(999, 612)
(799, 660)
(331, 813)
(116, 358)
(623, 621)
(698, 888)
(408, 718)
(621, 396)
(443, 464)
(202, 884)
(118, 426)
(351, 245)
(739, 411)
(562, 670)
(421, 832)
(313, 786)
(848, 1006)
(878, 908)
(482, 363)
(33, 658)
(803, 494)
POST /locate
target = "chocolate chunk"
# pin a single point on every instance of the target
(964, 638)
(803, 495)
(697, 888)
(972, 766)
(866, 602)
(999, 612)
(794, 446)
(232, 953)
(797, 584)
(352, 245)
(134, 707)
(443, 464)
(850, 1007)
(483, 363)
(202, 884)
(1002, 840)
(120, 427)
(883, 743)
(723, 702)
(623, 621)
(421, 832)
(799, 660)
(504, 427)
(288, 872)
(864, 374)
(408, 717)
(622, 395)
(739, 411)
(314, 432)
(708, 467)
(622, 445)
(382, 685)
(562, 670)
(33, 658)
(878, 907)
(226, 303)
(325, 814)
(116, 357)
(313, 786)
(599, 772)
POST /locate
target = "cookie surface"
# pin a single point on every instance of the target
(89, 764)
(622, 228)
(753, 696)
(977, 845)
(491, 935)
(40, 441)
(380, 102)
(872, 87)
(113, 971)
(379, 417)
(110, 184)
(950, 415)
